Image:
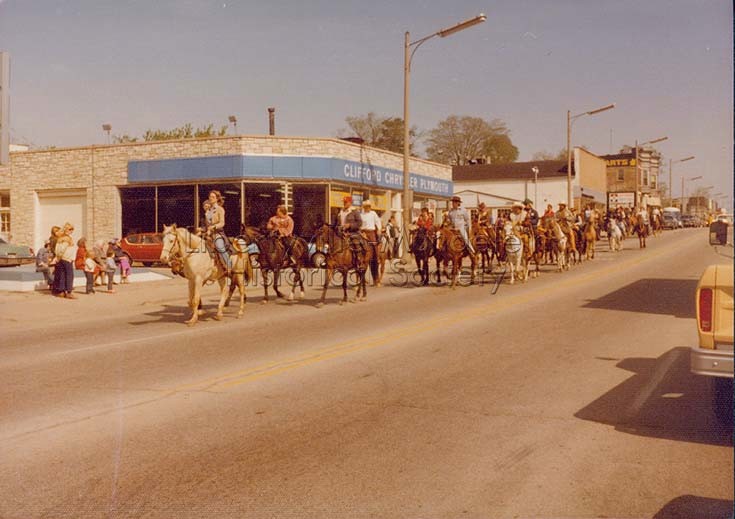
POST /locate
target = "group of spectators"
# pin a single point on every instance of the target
(59, 257)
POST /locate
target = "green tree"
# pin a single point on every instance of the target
(459, 139)
(186, 131)
(123, 139)
(380, 132)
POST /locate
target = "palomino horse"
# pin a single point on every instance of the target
(423, 247)
(199, 267)
(451, 247)
(514, 254)
(589, 235)
(483, 239)
(529, 249)
(558, 241)
(342, 258)
(273, 257)
(641, 229)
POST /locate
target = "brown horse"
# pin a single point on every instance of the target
(451, 247)
(423, 247)
(641, 229)
(484, 241)
(274, 257)
(344, 255)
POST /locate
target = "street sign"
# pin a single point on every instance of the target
(623, 199)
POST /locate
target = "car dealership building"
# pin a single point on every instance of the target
(110, 191)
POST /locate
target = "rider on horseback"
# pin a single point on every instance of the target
(484, 219)
(459, 220)
(350, 222)
(283, 224)
(424, 221)
(565, 218)
(215, 221)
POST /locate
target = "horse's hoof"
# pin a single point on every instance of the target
(319, 304)
(200, 313)
(264, 302)
(218, 317)
(190, 322)
(302, 295)
(290, 298)
(341, 303)
(353, 300)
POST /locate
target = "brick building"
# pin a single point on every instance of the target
(109, 191)
(621, 176)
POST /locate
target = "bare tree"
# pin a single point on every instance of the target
(545, 155)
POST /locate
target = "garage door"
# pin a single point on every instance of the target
(57, 208)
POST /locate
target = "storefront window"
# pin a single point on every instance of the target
(309, 203)
(261, 200)
(176, 205)
(138, 210)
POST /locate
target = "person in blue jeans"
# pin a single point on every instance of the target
(215, 220)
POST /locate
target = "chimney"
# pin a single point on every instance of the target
(271, 121)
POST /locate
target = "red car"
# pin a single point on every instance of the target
(144, 247)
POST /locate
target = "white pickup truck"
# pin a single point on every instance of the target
(714, 355)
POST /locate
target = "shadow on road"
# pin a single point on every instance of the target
(652, 296)
(689, 507)
(661, 400)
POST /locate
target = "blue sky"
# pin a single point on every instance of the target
(139, 65)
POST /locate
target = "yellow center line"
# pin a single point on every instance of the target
(344, 348)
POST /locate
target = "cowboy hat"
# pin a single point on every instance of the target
(456, 199)
(562, 203)
(517, 204)
(367, 202)
(527, 201)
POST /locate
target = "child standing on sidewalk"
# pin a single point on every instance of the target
(90, 266)
(111, 267)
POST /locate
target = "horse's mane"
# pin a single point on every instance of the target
(187, 238)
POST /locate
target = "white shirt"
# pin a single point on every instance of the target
(370, 221)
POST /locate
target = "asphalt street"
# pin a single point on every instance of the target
(565, 397)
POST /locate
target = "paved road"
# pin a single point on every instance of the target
(568, 396)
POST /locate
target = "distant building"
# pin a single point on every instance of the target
(517, 181)
(621, 180)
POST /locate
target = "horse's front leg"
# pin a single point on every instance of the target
(222, 297)
(345, 275)
(327, 279)
(264, 272)
(194, 300)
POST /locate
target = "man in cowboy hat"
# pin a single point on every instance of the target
(370, 228)
(459, 219)
(532, 213)
(565, 217)
(517, 214)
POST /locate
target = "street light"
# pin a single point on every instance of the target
(107, 128)
(408, 56)
(535, 187)
(682, 188)
(570, 119)
(233, 120)
(637, 166)
(671, 184)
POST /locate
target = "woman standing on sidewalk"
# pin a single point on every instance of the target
(66, 253)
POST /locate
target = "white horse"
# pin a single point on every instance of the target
(199, 267)
(514, 254)
(560, 242)
(614, 235)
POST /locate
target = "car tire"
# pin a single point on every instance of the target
(722, 399)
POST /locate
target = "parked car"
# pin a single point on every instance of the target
(689, 220)
(14, 255)
(144, 247)
(669, 221)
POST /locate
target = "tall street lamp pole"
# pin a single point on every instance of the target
(671, 183)
(408, 56)
(570, 119)
(637, 167)
(682, 189)
(535, 187)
